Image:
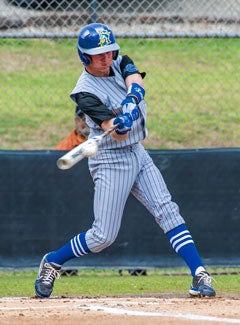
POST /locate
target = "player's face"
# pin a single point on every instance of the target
(100, 64)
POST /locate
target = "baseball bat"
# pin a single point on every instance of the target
(86, 149)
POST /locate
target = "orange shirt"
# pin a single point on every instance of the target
(71, 141)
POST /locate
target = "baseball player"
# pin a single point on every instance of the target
(110, 91)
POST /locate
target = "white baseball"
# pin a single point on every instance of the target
(90, 148)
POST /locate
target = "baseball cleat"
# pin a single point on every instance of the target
(201, 285)
(47, 274)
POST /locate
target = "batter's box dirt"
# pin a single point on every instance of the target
(120, 310)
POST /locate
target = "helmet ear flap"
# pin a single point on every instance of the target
(86, 60)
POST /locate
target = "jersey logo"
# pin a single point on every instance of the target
(104, 38)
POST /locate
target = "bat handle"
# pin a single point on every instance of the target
(110, 130)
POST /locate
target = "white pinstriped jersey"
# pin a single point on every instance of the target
(111, 91)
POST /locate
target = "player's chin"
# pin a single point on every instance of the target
(104, 69)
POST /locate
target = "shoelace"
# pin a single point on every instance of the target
(206, 278)
(49, 274)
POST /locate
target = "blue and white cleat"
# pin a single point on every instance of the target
(47, 274)
(201, 286)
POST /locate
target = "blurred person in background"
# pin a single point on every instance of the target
(78, 135)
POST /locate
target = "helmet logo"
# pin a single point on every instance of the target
(104, 38)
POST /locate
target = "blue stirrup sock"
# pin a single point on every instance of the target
(179, 237)
(75, 247)
(183, 244)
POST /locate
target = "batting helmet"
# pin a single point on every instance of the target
(96, 39)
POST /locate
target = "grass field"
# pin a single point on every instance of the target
(109, 282)
(192, 91)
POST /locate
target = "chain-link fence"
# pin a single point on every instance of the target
(189, 49)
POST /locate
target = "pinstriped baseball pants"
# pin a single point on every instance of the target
(117, 173)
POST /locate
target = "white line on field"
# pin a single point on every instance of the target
(118, 311)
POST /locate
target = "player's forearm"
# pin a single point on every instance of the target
(134, 78)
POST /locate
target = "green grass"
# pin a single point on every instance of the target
(192, 91)
(108, 282)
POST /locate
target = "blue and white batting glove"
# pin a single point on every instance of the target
(129, 106)
(134, 96)
(124, 122)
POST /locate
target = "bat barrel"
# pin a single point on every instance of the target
(64, 163)
(71, 158)
(86, 149)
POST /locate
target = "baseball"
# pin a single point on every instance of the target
(90, 148)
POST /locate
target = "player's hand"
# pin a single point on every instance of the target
(124, 122)
(129, 106)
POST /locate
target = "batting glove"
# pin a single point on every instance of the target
(124, 122)
(134, 96)
(129, 106)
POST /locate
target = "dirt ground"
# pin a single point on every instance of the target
(163, 309)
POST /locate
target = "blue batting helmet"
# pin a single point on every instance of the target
(96, 39)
